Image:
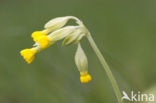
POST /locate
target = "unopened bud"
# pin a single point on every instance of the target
(81, 60)
(62, 33)
(57, 23)
(74, 37)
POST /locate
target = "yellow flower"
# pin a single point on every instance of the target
(40, 36)
(43, 41)
(85, 77)
(28, 54)
(37, 34)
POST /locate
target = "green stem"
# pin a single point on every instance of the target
(106, 67)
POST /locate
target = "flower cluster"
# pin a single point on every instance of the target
(56, 30)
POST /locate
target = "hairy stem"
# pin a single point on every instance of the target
(106, 67)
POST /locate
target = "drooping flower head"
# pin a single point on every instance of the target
(56, 30)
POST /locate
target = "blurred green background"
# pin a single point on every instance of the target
(124, 30)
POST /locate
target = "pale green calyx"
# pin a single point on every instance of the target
(59, 22)
(62, 33)
(81, 60)
(74, 37)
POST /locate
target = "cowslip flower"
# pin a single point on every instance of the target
(82, 65)
(54, 31)
(28, 54)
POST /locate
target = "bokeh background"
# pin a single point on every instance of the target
(124, 30)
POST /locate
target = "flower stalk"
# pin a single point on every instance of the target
(106, 67)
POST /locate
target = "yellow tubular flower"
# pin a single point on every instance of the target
(43, 41)
(85, 77)
(28, 54)
(37, 34)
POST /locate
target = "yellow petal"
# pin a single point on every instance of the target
(28, 54)
(85, 78)
(44, 41)
(37, 34)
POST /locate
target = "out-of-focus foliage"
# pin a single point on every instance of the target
(124, 30)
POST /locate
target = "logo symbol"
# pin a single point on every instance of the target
(125, 96)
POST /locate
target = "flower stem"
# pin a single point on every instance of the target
(106, 67)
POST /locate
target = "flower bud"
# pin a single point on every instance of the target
(74, 37)
(57, 23)
(81, 60)
(61, 33)
(82, 65)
